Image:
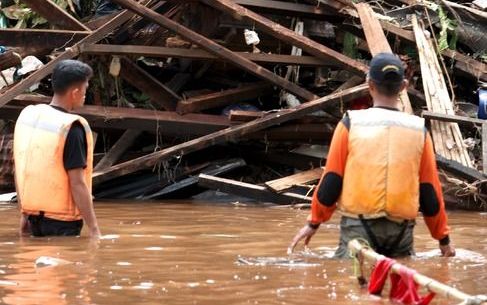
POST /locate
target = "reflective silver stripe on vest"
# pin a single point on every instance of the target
(384, 117)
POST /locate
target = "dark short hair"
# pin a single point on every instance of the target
(388, 88)
(68, 73)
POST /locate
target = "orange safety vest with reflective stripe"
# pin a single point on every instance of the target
(383, 145)
(42, 181)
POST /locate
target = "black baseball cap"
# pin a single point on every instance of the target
(386, 67)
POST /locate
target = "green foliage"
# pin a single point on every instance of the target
(21, 16)
(350, 45)
(448, 29)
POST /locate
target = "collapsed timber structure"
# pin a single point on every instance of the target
(243, 95)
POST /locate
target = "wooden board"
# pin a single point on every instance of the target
(447, 138)
(118, 149)
(228, 134)
(223, 98)
(285, 183)
(55, 15)
(216, 49)
(198, 54)
(289, 36)
(452, 118)
(160, 95)
(377, 42)
(9, 59)
(248, 190)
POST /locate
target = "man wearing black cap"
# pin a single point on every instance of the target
(380, 171)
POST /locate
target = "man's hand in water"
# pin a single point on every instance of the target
(305, 233)
(447, 250)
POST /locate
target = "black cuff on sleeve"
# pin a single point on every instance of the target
(330, 189)
(313, 226)
(445, 241)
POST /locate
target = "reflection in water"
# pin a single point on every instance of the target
(199, 254)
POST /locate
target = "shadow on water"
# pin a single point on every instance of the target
(206, 254)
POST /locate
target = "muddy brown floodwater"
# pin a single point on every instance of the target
(211, 254)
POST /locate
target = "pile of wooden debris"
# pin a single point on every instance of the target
(188, 92)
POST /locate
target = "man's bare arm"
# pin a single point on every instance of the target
(82, 198)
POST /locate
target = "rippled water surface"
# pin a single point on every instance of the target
(193, 253)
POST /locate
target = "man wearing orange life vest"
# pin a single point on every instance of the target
(380, 171)
(53, 155)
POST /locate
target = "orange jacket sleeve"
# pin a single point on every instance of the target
(431, 200)
(330, 186)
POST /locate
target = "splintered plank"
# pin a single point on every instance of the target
(248, 190)
(228, 134)
(158, 93)
(118, 149)
(377, 42)
(288, 36)
(198, 54)
(223, 98)
(55, 15)
(67, 54)
(217, 49)
(447, 138)
(285, 183)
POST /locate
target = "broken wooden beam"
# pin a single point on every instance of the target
(229, 134)
(285, 183)
(287, 8)
(158, 122)
(447, 138)
(452, 118)
(69, 53)
(159, 94)
(248, 190)
(198, 54)
(216, 49)
(377, 42)
(240, 116)
(223, 98)
(39, 42)
(9, 59)
(286, 35)
(55, 15)
(118, 149)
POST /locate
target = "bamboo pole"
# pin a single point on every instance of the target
(432, 285)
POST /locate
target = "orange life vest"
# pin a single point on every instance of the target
(382, 170)
(42, 181)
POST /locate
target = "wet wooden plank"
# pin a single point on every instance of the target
(377, 42)
(459, 170)
(9, 59)
(223, 98)
(217, 49)
(447, 138)
(39, 42)
(118, 149)
(244, 116)
(229, 134)
(199, 54)
(248, 190)
(69, 53)
(159, 94)
(285, 183)
(55, 15)
(289, 36)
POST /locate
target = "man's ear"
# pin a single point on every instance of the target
(371, 85)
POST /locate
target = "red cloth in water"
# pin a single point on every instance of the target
(403, 288)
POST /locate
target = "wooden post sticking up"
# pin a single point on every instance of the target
(118, 149)
(216, 49)
(377, 42)
(447, 138)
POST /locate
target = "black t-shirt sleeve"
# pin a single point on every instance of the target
(75, 148)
